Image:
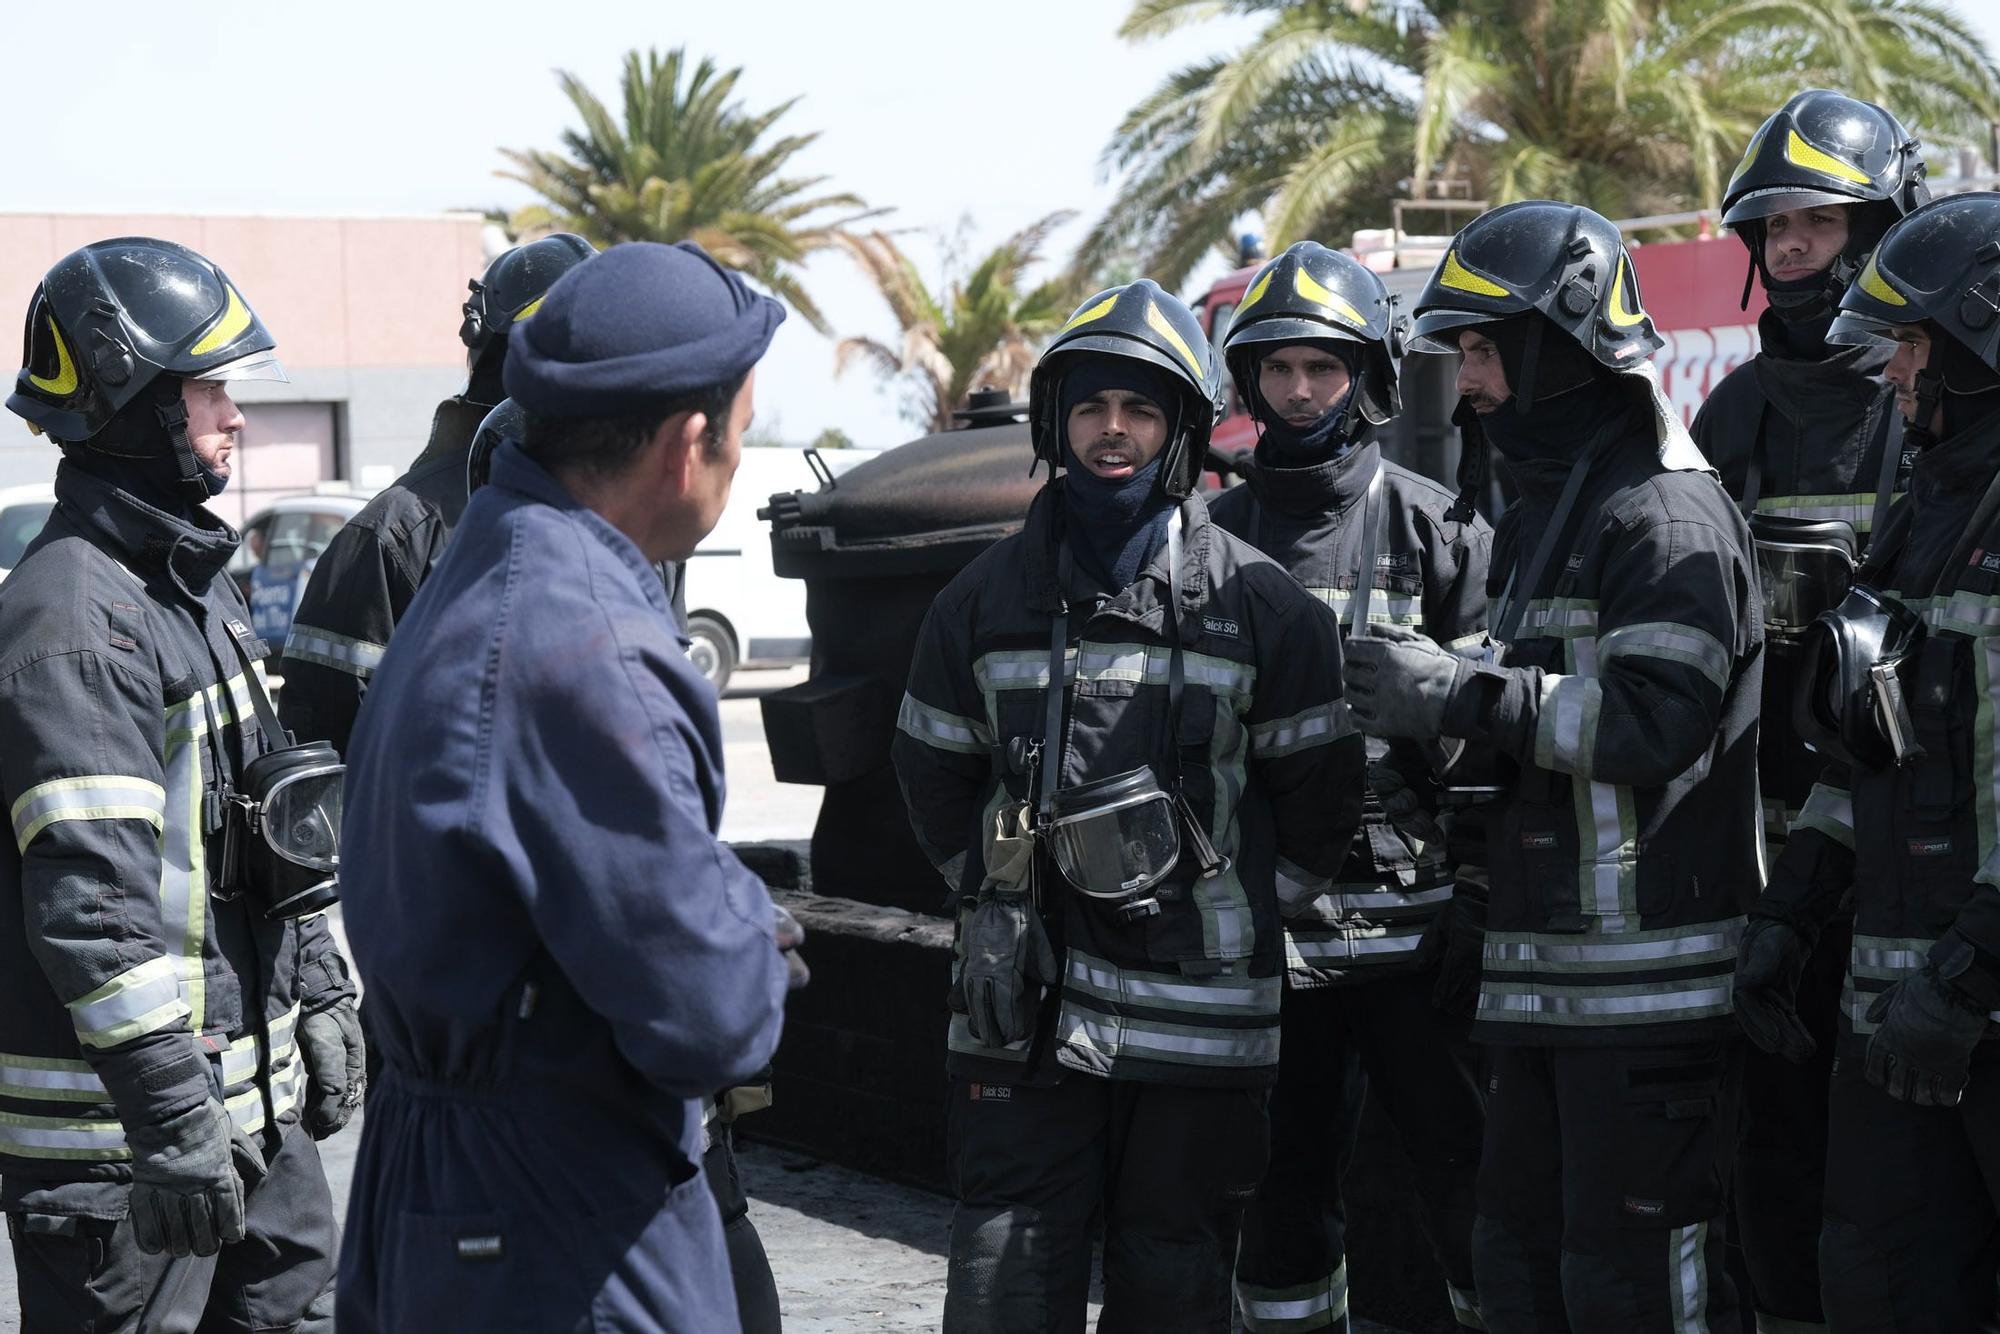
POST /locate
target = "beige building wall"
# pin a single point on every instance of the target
(365, 311)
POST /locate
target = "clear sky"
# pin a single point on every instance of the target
(942, 109)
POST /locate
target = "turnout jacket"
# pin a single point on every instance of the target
(128, 991)
(1818, 428)
(1272, 768)
(366, 577)
(1627, 848)
(561, 957)
(1430, 575)
(1919, 844)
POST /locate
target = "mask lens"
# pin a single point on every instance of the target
(1120, 845)
(302, 818)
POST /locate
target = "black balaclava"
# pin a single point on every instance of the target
(1282, 445)
(484, 386)
(1570, 392)
(1115, 526)
(1967, 388)
(134, 452)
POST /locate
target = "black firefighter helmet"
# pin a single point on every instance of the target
(506, 422)
(111, 319)
(1940, 266)
(1142, 322)
(513, 287)
(1824, 147)
(1309, 294)
(1562, 262)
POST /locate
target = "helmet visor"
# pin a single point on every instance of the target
(262, 365)
(302, 817)
(1853, 329)
(1437, 331)
(1767, 203)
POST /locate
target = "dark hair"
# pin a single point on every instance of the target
(603, 447)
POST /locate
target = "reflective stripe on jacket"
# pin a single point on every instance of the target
(1274, 772)
(127, 991)
(1430, 575)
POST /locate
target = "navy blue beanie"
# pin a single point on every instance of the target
(634, 327)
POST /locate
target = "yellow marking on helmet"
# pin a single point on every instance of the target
(529, 309)
(1802, 154)
(1167, 331)
(1096, 312)
(1312, 289)
(1750, 153)
(64, 383)
(1458, 276)
(235, 319)
(1873, 283)
(1616, 310)
(1258, 288)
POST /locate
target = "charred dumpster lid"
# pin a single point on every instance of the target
(931, 505)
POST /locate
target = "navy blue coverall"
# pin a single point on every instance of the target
(559, 955)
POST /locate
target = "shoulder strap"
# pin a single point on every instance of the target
(1514, 606)
(1753, 476)
(1051, 759)
(260, 699)
(1888, 435)
(1371, 539)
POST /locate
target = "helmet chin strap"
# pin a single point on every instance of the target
(170, 410)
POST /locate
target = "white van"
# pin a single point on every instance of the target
(741, 614)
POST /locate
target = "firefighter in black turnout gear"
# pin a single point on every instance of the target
(366, 577)
(173, 1038)
(1124, 747)
(1898, 689)
(1624, 849)
(1807, 438)
(1312, 350)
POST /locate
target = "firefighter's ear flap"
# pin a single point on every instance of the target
(1398, 339)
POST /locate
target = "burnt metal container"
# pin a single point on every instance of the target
(875, 548)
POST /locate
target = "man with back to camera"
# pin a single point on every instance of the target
(1807, 437)
(177, 1023)
(561, 956)
(1900, 701)
(366, 577)
(1381, 974)
(1123, 746)
(1626, 847)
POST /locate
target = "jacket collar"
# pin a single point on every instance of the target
(1960, 466)
(1320, 488)
(189, 551)
(516, 472)
(1145, 600)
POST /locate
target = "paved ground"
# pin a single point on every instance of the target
(852, 1254)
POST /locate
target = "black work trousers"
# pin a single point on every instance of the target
(87, 1274)
(1384, 1040)
(1912, 1236)
(749, 1267)
(1781, 1154)
(1166, 1167)
(1602, 1189)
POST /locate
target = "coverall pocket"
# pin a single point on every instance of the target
(1673, 1104)
(456, 1271)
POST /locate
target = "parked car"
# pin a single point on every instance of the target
(740, 614)
(281, 544)
(23, 511)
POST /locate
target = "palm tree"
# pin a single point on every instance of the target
(684, 162)
(1634, 107)
(981, 330)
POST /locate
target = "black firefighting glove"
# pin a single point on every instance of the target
(1400, 683)
(186, 1197)
(1455, 943)
(1008, 960)
(1769, 961)
(1922, 1053)
(336, 1066)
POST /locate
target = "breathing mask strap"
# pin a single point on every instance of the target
(1516, 598)
(1889, 436)
(260, 699)
(1052, 744)
(1176, 665)
(1753, 477)
(1364, 578)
